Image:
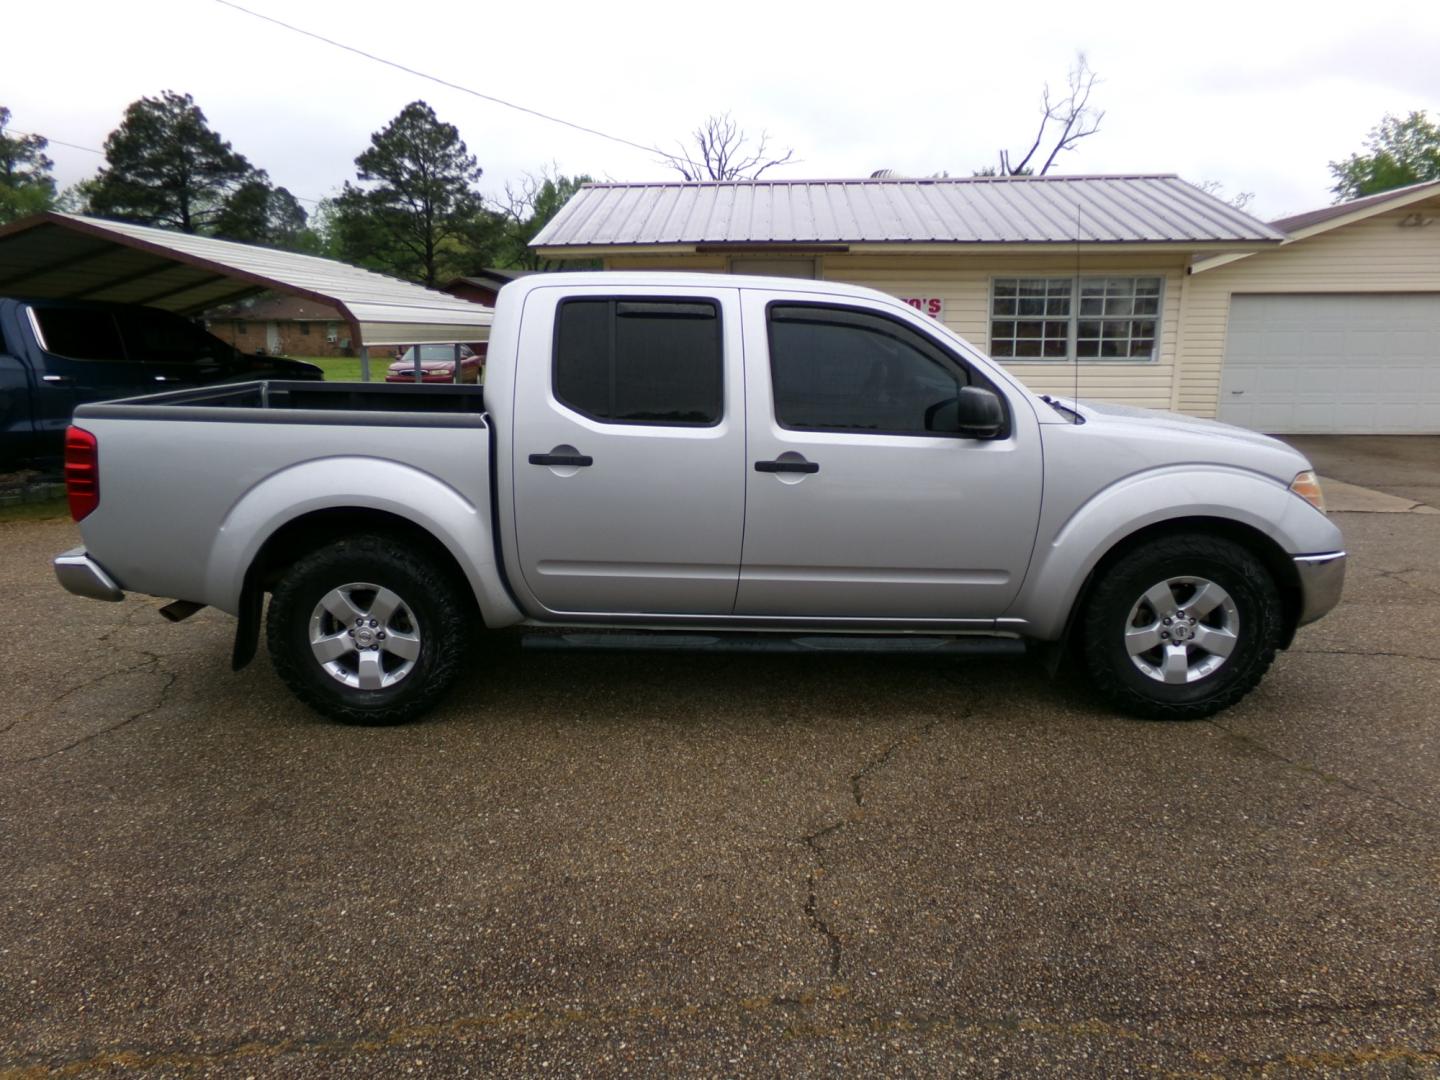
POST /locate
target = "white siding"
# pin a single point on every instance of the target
(1378, 255)
(963, 282)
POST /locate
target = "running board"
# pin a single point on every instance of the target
(840, 644)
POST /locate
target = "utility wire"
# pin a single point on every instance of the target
(57, 142)
(443, 82)
(92, 150)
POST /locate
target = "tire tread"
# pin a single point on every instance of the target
(447, 629)
(1108, 595)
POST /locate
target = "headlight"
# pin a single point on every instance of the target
(1307, 486)
(445, 370)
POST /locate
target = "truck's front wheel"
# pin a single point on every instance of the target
(367, 631)
(1181, 628)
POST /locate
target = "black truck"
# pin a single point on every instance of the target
(57, 354)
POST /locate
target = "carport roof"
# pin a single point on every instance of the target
(66, 256)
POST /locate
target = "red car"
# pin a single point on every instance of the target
(437, 364)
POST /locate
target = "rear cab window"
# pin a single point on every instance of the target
(627, 360)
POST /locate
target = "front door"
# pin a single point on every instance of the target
(856, 507)
(628, 450)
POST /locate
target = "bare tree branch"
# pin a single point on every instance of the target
(1075, 117)
(1241, 200)
(721, 153)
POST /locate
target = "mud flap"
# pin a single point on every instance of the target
(247, 626)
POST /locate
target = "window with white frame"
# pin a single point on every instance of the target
(1086, 318)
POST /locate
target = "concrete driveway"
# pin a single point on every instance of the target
(718, 865)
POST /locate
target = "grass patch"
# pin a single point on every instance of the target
(49, 510)
(345, 368)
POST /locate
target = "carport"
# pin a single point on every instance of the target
(66, 256)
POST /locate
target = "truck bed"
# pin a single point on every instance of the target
(254, 455)
(284, 402)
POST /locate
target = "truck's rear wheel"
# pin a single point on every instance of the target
(367, 631)
(1182, 627)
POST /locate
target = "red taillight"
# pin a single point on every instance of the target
(82, 472)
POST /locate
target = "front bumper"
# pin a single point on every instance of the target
(1321, 579)
(83, 576)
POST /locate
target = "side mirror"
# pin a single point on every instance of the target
(975, 413)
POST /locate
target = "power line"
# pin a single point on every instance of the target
(443, 82)
(92, 150)
(59, 142)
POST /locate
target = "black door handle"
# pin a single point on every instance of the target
(787, 466)
(561, 459)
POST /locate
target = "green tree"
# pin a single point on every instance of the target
(1398, 152)
(417, 214)
(258, 213)
(164, 166)
(26, 186)
(526, 209)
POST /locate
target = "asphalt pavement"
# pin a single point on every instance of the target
(717, 865)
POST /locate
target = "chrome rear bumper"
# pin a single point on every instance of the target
(83, 576)
(1321, 579)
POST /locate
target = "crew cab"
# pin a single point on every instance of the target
(57, 354)
(702, 460)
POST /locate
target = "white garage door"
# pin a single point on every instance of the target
(1333, 363)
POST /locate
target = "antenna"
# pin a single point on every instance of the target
(1077, 302)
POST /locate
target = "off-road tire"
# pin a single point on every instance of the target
(437, 595)
(1125, 580)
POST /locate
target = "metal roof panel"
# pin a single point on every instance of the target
(1111, 209)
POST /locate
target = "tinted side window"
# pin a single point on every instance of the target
(157, 337)
(79, 334)
(640, 361)
(835, 369)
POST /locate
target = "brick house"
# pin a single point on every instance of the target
(482, 286)
(281, 326)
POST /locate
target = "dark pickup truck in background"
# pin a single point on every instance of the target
(57, 354)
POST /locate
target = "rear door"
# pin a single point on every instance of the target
(172, 351)
(857, 508)
(84, 360)
(629, 450)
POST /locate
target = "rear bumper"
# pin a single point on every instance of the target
(83, 576)
(1321, 579)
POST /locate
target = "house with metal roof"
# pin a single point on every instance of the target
(1115, 287)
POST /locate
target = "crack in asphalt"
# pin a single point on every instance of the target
(1318, 773)
(1397, 575)
(834, 945)
(104, 639)
(817, 921)
(151, 664)
(857, 778)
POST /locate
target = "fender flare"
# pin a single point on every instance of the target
(358, 483)
(1061, 566)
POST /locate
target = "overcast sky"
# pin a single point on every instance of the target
(1256, 96)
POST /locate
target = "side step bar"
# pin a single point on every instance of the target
(839, 644)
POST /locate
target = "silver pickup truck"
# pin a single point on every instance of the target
(710, 461)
